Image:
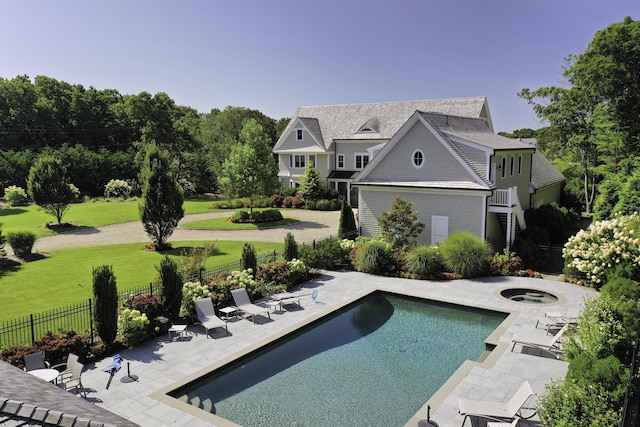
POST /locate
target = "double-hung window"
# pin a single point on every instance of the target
(361, 160)
(297, 161)
(340, 161)
(299, 135)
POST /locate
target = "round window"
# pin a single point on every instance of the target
(418, 158)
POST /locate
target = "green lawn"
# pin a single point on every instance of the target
(90, 214)
(66, 276)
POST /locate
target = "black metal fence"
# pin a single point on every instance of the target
(79, 317)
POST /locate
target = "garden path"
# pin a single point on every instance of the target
(313, 225)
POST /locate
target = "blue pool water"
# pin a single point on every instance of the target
(372, 363)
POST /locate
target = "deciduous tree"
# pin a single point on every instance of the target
(50, 187)
(400, 226)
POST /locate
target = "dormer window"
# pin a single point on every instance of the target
(371, 126)
(298, 134)
(365, 130)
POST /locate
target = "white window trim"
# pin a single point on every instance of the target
(413, 158)
(512, 166)
(503, 167)
(299, 135)
(292, 161)
(338, 157)
(520, 164)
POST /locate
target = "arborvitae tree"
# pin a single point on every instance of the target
(105, 310)
(171, 293)
(400, 226)
(2, 241)
(249, 259)
(290, 247)
(310, 188)
(161, 202)
(347, 227)
(50, 187)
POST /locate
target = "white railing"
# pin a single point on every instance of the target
(502, 197)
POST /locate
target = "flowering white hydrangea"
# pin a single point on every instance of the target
(594, 252)
(297, 266)
(132, 325)
(347, 244)
(192, 291)
(243, 279)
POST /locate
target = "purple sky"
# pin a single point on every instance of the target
(276, 55)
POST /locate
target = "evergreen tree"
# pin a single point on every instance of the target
(290, 247)
(249, 259)
(105, 296)
(161, 202)
(347, 228)
(171, 285)
(310, 188)
(400, 226)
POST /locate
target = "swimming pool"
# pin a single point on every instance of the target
(374, 362)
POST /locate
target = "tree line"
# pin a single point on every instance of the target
(102, 134)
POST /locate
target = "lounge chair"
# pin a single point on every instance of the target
(74, 381)
(550, 343)
(556, 321)
(513, 423)
(35, 361)
(66, 368)
(499, 411)
(206, 316)
(244, 304)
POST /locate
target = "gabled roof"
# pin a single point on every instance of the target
(343, 122)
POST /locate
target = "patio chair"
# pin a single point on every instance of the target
(547, 342)
(513, 423)
(244, 304)
(556, 321)
(35, 361)
(67, 367)
(206, 316)
(74, 381)
(499, 411)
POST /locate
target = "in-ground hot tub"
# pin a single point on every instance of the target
(528, 296)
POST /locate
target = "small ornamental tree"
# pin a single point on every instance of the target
(105, 296)
(400, 226)
(310, 188)
(15, 195)
(249, 260)
(50, 187)
(347, 227)
(161, 202)
(171, 286)
(290, 247)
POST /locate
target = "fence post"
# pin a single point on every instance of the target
(151, 288)
(91, 322)
(313, 244)
(33, 332)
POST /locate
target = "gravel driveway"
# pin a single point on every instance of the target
(312, 225)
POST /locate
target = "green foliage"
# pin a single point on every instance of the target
(505, 263)
(629, 196)
(347, 227)
(621, 289)
(258, 216)
(105, 297)
(400, 226)
(310, 186)
(290, 247)
(194, 258)
(249, 259)
(375, 257)
(117, 188)
(425, 262)
(322, 204)
(159, 317)
(282, 276)
(171, 292)
(49, 186)
(15, 195)
(2, 242)
(56, 348)
(465, 254)
(606, 377)
(132, 326)
(243, 279)
(552, 218)
(21, 242)
(161, 203)
(327, 254)
(565, 404)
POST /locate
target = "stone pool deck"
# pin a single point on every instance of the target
(164, 362)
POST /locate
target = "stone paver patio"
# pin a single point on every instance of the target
(162, 363)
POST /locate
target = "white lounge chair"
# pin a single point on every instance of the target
(244, 304)
(556, 321)
(206, 316)
(550, 343)
(499, 411)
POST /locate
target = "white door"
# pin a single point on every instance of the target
(439, 228)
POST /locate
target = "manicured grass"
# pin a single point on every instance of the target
(90, 214)
(66, 276)
(225, 224)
